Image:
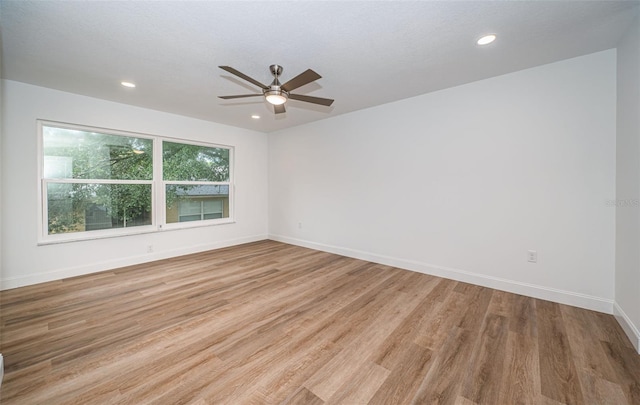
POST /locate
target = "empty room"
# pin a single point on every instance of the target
(319, 202)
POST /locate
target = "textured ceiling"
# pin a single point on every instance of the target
(369, 53)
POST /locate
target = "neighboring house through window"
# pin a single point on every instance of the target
(199, 203)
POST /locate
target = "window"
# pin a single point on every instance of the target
(97, 183)
(196, 180)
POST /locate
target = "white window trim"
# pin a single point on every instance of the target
(158, 201)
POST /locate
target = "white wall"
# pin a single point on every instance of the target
(627, 275)
(24, 262)
(463, 182)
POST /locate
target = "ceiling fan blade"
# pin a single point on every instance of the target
(303, 78)
(243, 76)
(310, 99)
(239, 96)
(279, 109)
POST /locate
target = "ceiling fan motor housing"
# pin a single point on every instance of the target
(276, 70)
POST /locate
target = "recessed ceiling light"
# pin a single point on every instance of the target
(128, 84)
(487, 39)
(255, 117)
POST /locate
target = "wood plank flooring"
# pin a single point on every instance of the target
(270, 323)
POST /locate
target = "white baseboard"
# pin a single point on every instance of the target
(15, 282)
(627, 325)
(546, 293)
(550, 294)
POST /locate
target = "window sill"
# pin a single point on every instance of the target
(147, 230)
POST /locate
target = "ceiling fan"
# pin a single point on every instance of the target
(278, 94)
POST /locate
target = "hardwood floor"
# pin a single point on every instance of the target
(270, 323)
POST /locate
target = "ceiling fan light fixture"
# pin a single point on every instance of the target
(276, 97)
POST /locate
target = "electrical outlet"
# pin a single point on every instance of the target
(532, 256)
(299, 225)
(149, 248)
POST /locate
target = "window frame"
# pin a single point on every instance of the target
(158, 194)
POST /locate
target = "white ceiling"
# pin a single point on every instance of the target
(368, 52)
